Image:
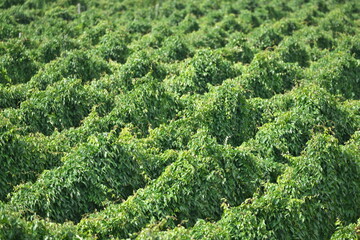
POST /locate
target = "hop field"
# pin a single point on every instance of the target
(168, 119)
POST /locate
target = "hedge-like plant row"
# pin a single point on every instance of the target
(316, 189)
(179, 119)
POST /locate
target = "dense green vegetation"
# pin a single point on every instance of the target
(167, 119)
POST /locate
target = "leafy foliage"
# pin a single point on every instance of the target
(17, 65)
(268, 75)
(146, 119)
(180, 190)
(76, 64)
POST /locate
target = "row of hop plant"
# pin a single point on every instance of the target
(177, 100)
(199, 116)
(113, 46)
(293, 140)
(284, 139)
(305, 202)
(227, 132)
(31, 54)
(224, 102)
(268, 73)
(23, 157)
